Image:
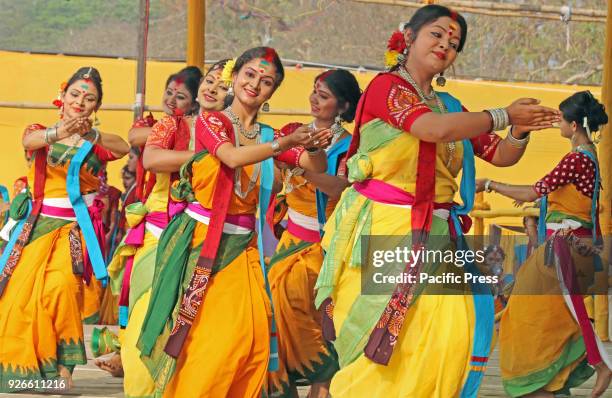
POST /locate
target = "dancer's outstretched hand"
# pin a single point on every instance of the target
(527, 113)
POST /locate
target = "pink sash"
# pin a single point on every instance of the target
(382, 192)
(241, 220)
(135, 235)
(95, 212)
(303, 233)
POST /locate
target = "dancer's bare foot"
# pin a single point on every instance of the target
(319, 390)
(540, 394)
(65, 374)
(604, 375)
(112, 365)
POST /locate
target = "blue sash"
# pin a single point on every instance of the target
(265, 193)
(6, 199)
(483, 299)
(73, 186)
(333, 155)
(544, 210)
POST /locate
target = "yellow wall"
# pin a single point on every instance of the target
(36, 78)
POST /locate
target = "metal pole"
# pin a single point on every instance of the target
(141, 68)
(196, 27)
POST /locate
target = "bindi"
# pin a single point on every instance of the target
(263, 66)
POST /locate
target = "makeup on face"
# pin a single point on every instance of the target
(452, 32)
(176, 96)
(262, 73)
(263, 66)
(80, 99)
(323, 103)
(212, 91)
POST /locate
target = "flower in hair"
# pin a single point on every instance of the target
(391, 58)
(397, 42)
(58, 101)
(228, 69)
(395, 47)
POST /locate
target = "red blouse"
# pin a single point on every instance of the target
(393, 100)
(575, 168)
(216, 130)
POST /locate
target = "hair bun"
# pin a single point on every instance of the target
(595, 112)
(583, 104)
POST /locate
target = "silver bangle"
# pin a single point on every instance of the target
(276, 148)
(516, 142)
(97, 136)
(487, 186)
(500, 117)
(51, 138)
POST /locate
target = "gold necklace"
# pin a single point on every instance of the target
(451, 147)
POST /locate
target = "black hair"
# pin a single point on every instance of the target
(126, 170)
(267, 53)
(429, 13)
(345, 88)
(190, 77)
(583, 104)
(89, 73)
(217, 65)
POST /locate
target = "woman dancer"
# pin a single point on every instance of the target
(170, 144)
(206, 332)
(304, 355)
(539, 314)
(407, 149)
(176, 97)
(51, 255)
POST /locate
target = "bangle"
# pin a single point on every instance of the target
(517, 142)
(499, 117)
(313, 151)
(96, 137)
(276, 148)
(51, 135)
(487, 186)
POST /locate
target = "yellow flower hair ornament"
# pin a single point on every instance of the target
(395, 49)
(228, 69)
